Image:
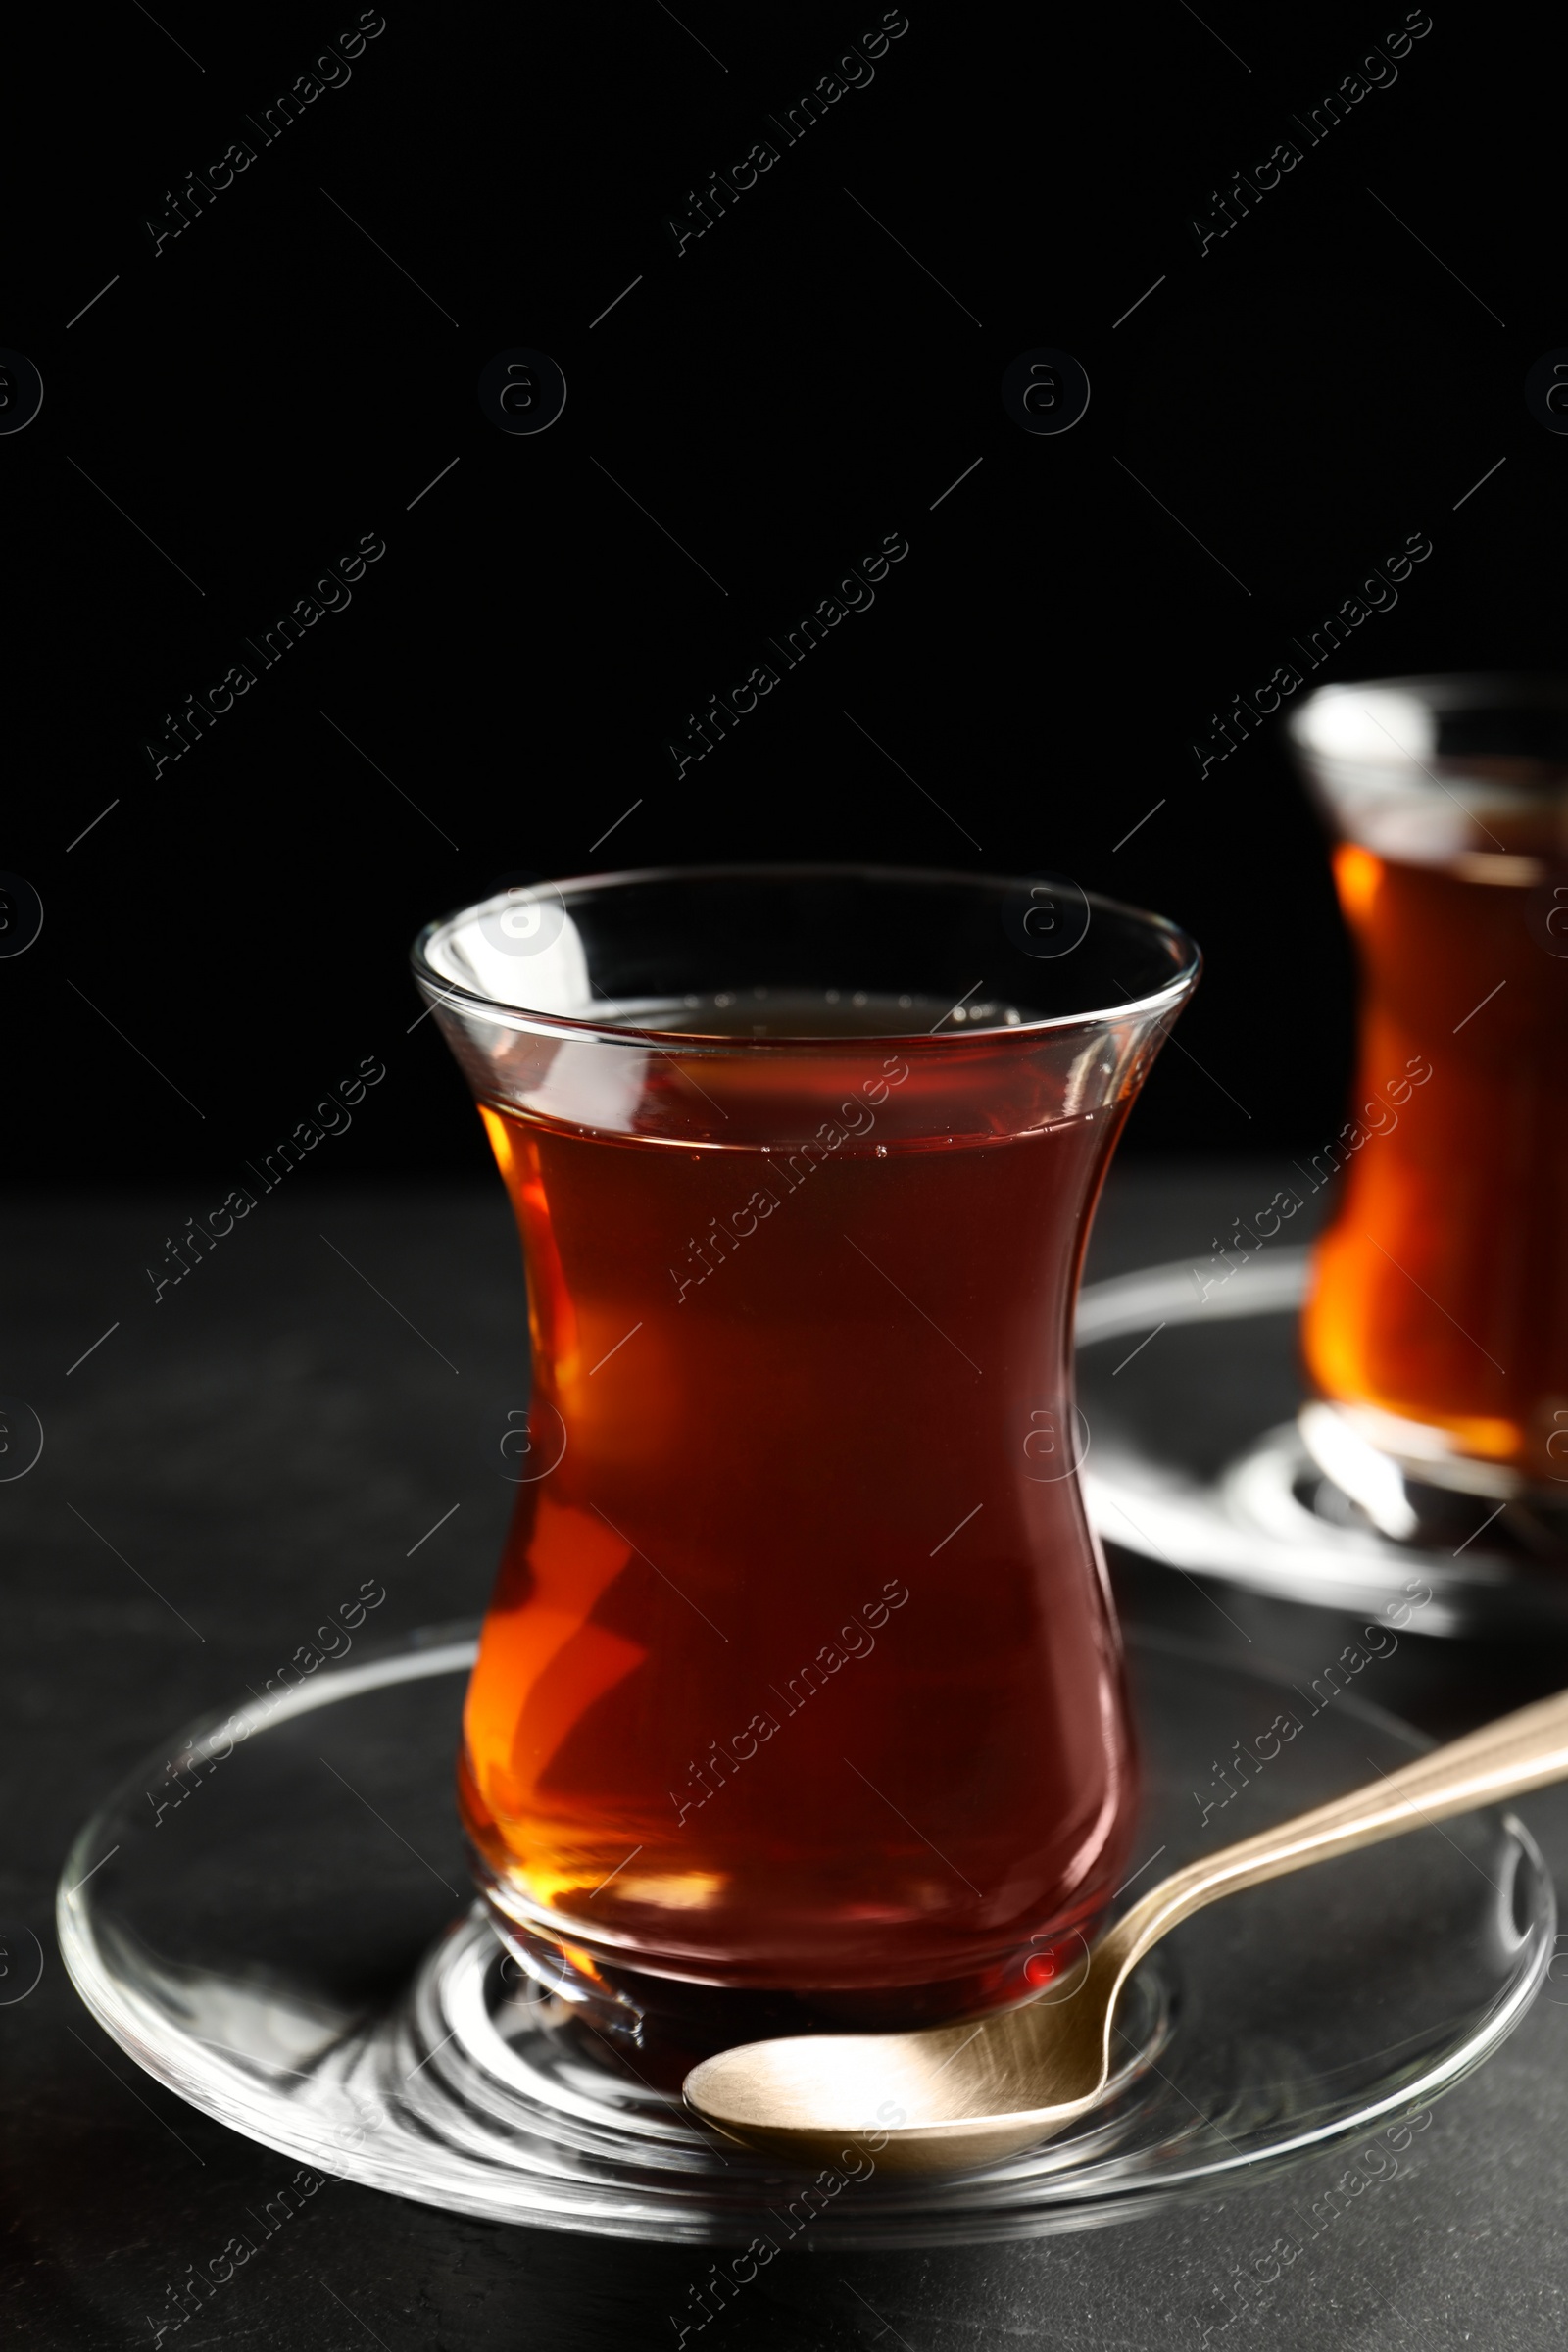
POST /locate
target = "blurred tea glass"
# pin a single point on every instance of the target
(801, 1689)
(1437, 1325)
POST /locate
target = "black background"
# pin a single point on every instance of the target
(230, 940)
(270, 386)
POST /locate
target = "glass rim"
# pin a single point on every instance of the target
(1441, 693)
(444, 993)
(1457, 687)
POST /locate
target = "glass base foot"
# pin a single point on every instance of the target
(664, 2026)
(1208, 1455)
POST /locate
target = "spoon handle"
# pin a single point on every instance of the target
(1518, 1753)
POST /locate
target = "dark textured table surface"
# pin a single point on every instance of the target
(295, 1417)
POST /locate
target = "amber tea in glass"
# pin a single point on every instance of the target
(1438, 1321)
(800, 1680)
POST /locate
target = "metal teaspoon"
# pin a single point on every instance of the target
(972, 2092)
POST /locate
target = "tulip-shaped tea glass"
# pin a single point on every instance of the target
(800, 1696)
(1437, 1329)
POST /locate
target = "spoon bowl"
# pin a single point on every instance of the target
(949, 2095)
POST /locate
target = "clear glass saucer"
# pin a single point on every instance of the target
(274, 1918)
(1197, 1459)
